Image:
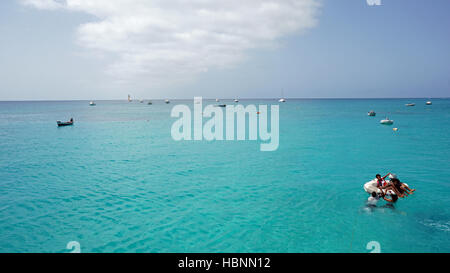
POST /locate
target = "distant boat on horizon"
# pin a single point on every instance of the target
(167, 101)
(410, 104)
(282, 97)
(428, 103)
(129, 98)
(91, 103)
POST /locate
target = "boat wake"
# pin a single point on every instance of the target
(439, 225)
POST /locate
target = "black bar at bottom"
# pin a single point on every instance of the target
(227, 262)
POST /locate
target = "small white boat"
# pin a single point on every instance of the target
(167, 101)
(282, 100)
(387, 121)
(371, 113)
(217, 100)
(428, 103)
(410, 104)
(91, 103)
(129, 98)
(236, 100)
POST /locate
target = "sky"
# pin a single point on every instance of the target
(154, 49)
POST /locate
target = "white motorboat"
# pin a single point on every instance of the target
(282, 97)
(387, 121)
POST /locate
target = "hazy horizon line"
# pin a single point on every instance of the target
(208, 98)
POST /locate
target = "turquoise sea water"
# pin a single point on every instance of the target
(117, 182)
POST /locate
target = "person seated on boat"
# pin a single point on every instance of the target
(71, 119)
(395, 186)
(381, 180)
(402, 186)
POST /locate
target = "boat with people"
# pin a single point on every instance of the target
(387, 121)
(67, 123)
(371, 114)
(388, 189)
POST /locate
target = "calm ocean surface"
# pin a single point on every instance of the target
(117, 182)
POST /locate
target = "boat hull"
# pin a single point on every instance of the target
(387, 122)
(62, 124)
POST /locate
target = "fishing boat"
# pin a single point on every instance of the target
(387, 121)
(371, 113)
(67, 123)
(92, 103)
(410, 104)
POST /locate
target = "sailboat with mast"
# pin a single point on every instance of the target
(129, 98)
(282, 97)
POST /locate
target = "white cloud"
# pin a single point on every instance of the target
(163, 40)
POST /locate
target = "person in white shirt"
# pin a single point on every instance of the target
(373, 200)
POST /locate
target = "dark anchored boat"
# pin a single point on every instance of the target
(67, 123)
